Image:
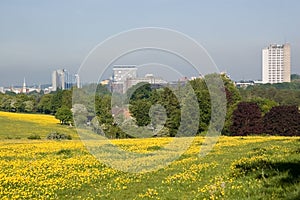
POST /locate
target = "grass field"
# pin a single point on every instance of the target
(20, 126)
(236, 168)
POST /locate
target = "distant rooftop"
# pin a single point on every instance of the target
(124, 66)
(277, 45)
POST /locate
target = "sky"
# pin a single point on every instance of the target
(37, 37)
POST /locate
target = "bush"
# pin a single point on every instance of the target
(58, 136)
(246, 119)
(64, 152)
(282, 120)
(34, 137)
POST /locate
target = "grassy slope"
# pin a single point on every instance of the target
(17, 125)
(237, 168)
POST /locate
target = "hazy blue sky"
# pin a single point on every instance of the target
(37, 36)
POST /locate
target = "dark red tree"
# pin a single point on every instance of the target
(282, 120)
(246, 119)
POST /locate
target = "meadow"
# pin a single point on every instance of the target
(253, 167)
(22, 125)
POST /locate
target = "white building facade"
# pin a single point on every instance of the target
(276, 63)
(121, 73)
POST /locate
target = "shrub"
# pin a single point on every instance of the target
(58, 136)
(246, 119)
(64, 152)
(34, 137)
(282, 120)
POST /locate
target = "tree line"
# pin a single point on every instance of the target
(260, 109)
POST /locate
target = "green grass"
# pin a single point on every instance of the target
(20, 126)
(237, 168)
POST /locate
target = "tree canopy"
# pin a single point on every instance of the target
(64, 114)
(273, 106)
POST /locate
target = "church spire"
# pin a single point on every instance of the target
(24, 86)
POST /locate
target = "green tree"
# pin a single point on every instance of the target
(233, 97)
(281, 93)
(170, 102)
(139, 91)
(64, 114)
(56, 100)
(189, 107)
(66, 99)
(6, 103)
(102, 90)
(264, 104)
(103, 109)
(29, 106)
(80, 114)
(204, 103)
(19, 104)
(44, 105)
(104, 122)
(86, 98)
(140, 103)
(221, 94)
(295, 77)
(140, 111)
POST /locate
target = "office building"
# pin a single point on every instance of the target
(120, 76)
(122, 73)
(276, 63)
(77, 81)
(62, 79)
(125, 76)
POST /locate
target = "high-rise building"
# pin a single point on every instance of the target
(64, 80)
(120, 75)
(276, 63)
(58, 79)
(77, 80)
(125, 76)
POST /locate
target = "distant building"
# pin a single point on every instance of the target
(77, 81)
(149, 78)
(62, 79)
(244, 83)
(125, 77)
(2, 90)
(58, 79)
(24, 89)
(276, 63)
(123, 72)
(105, 82)
(120, 76)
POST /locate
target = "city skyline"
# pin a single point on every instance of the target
(38, 37)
